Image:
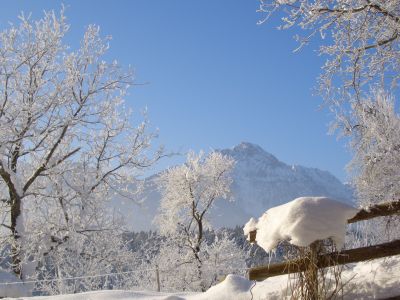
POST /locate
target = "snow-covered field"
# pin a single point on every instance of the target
(375, 279)
(299, 222)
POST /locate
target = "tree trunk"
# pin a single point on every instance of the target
(196, 252)
(15, 248)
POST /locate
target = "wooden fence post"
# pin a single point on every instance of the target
(158, 279)
(311, 272)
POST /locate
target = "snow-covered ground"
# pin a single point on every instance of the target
(300, 221)
(375, 279)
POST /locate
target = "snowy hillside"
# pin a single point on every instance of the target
(260, 181)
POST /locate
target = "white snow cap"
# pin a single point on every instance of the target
(302, 221)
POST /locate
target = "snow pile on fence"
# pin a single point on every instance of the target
(301, 222)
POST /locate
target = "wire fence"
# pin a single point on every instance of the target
(75, 278)
(156, 274)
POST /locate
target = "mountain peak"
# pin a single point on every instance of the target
(248, 147)
(248, 150)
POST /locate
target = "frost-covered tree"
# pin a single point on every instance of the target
(188, 194)
(360, 39)
(79, 264)
(376, 161)
(84, 239)
(67, 143)
(377, 149)
(224, 256)
(221, 254)
(180, 271)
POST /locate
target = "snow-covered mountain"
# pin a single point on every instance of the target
(260, 181)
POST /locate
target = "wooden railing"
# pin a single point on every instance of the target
(336, 258)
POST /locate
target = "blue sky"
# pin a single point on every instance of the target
(213, 76)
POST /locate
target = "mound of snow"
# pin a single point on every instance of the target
(301, 222)
(233, 287)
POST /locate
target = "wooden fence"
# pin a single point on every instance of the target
(336, 258)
